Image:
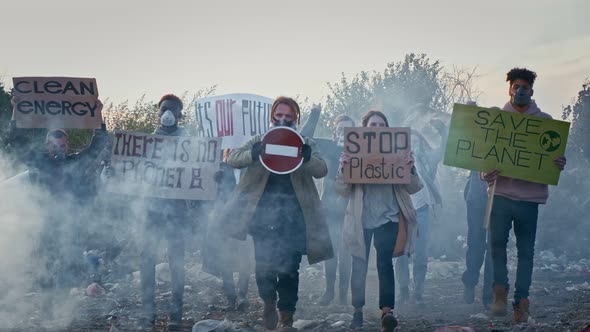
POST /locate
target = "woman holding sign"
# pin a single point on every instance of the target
(383, 212)
(282, 213)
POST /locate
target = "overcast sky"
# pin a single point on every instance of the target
(275, 47)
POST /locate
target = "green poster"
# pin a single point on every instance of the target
(521, 146)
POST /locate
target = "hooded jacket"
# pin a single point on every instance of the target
(521, 190)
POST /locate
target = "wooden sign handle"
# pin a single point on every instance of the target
(486, 222)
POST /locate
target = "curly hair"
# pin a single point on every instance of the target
(171, 97)
(521, 74)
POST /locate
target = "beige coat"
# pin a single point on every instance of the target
(240, 208)
(352, 230)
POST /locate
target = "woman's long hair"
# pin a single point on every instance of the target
(369, 114)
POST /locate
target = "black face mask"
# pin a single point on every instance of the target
(58, 155)
(521, 97)
(283, 123)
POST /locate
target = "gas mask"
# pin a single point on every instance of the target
(283, 123)
(58, 154)
(521, 97)
(168, 119)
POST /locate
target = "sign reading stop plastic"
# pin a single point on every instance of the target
(281, 150)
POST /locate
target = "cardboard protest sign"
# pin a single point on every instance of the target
(165, 166)
(235, 117)
(521, 146)
(56, 102)
(377, 155)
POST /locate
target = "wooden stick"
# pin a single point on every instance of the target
(486, 221)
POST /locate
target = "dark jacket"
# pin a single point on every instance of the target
(66, 176)
(168, 207)
(238, 213)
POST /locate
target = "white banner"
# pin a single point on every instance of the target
(234, 117)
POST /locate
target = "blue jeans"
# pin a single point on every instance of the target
(385, 237)
(420, 258)
(478, 252)
(524, 215)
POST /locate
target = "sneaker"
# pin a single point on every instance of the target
(388, 322)
(357, 320)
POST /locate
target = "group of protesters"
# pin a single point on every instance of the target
(283, 217)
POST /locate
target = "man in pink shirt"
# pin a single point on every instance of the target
(516, 202)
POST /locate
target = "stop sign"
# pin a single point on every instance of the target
(281, 150)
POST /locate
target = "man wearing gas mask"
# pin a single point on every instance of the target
(283, 215)
(54, 169)
(167, 217)
(335, 206)
(516, 202)
(67, 194)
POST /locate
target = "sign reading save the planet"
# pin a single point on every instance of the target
(520, 146)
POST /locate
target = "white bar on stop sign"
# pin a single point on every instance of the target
(281, 150)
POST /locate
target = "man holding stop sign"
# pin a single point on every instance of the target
(277, 203)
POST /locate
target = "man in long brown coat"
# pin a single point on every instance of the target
(283, 215)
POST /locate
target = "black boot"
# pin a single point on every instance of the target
(357, 320)
(388, 322)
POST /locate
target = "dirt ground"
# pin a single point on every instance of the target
(560, 298)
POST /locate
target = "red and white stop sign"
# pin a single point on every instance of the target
(281, 150)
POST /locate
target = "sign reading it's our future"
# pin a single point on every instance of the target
(235, 117)
(165, 166)
(377, 155)
(56, 102)
(520, 146)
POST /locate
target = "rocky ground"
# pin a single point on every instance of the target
(560, 298)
